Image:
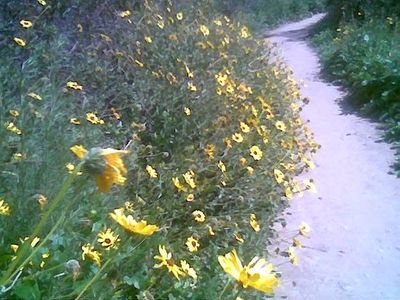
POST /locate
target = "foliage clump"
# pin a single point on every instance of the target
(210, 138)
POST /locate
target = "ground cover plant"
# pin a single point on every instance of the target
(359, 48)
(147, 147)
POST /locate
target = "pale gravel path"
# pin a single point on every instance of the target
(355, 216)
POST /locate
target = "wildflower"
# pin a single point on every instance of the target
(199, 216)
(35, 96)
(131, 225)
(166, 260)
(288, 192)
(139, 63)
(128, 206)
(4, 208)
(304, 228)
(188, 270)
(250, 170)
(297, 243)
(125, 13)
(148, 39)
(92, 118)
(237, 137)
(192, 87)
(239, 237)
(74, 121)
(18, 156)
(279, 176)
(108, 239)
(89, 252)
(192, 244)
(228, 142)
(42, 2)
(152, 172)
(178, 185)
(10, 126)
(42, 200)
(187, 111)
(310, 185)
(280, 125)
(254, 224)
(25, 23)
(14, 113)
(218, 22)
(244, 32)
(256, 152)
(210, 149)
(189, 178)
(292, 256)
(105, 163)
(242, 161)
(210, 230)
(188, 72)
(221, 166)
(244, 127)
(204, 30)
(257, 274)
(20, 42)
(74, 85)
(190, 198)
(179, 16)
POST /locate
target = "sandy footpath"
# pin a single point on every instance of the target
(355, 216)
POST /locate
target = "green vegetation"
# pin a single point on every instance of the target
(211, 124)
(359, 47)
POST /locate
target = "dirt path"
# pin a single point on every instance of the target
(355, 216)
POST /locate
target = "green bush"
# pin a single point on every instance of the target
(175, 85)
(359, 49)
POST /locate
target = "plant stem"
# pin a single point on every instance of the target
(13, 269)
(224, 290)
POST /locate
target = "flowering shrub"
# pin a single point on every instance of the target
(207, 125)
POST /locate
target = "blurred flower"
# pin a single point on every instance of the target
(280, 125)
(148, 39)
(297, 243)
(210, 230)
(125, 13)
(221, 166)
(204, 30)
(256, 152)
(14, 112)
(250, 170)
(304, 229)
(310, 185)
(152, 172)
(74, 85)
(279, 176)
(18, 156)
(192, 87)
(35, 96)
(190, 198)
(20, 42)
(128, 206)
(106, 164)
(254, 224)
(108, 239)
(187, 111)
(199, 216)
(4, 208)
(42, 200)
(239, 237)
(244, 127)
(166, 260)
(26, 23)
(179, 16)
(42, 2)
(139, 63)
(74, 121)
(178, 185)
(188, 270)
(89, 252)
(244, 32)
(189, 178)
(292, 256)
(237, 137)
(10, 126)
(131, 225)
(258, 274)
(192, 244)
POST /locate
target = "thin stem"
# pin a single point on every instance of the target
(224, 290)
(13, 269)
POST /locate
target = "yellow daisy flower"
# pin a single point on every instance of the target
(256, 152)
(108, 239)
(199, 216)
(189, 178)
(26, 23)
(4, 208)
(166, 260)
(258, 274)
(192, 244)
(304, 228)
(254, 224)
(131, 225)
(20, 42)
(152, 172)
(188, 269)
(89, 252)
(179, 16)
(178, 185)
(280, 125)
(244, 127)
(279, 176)
(74, 85)
(237, 137)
